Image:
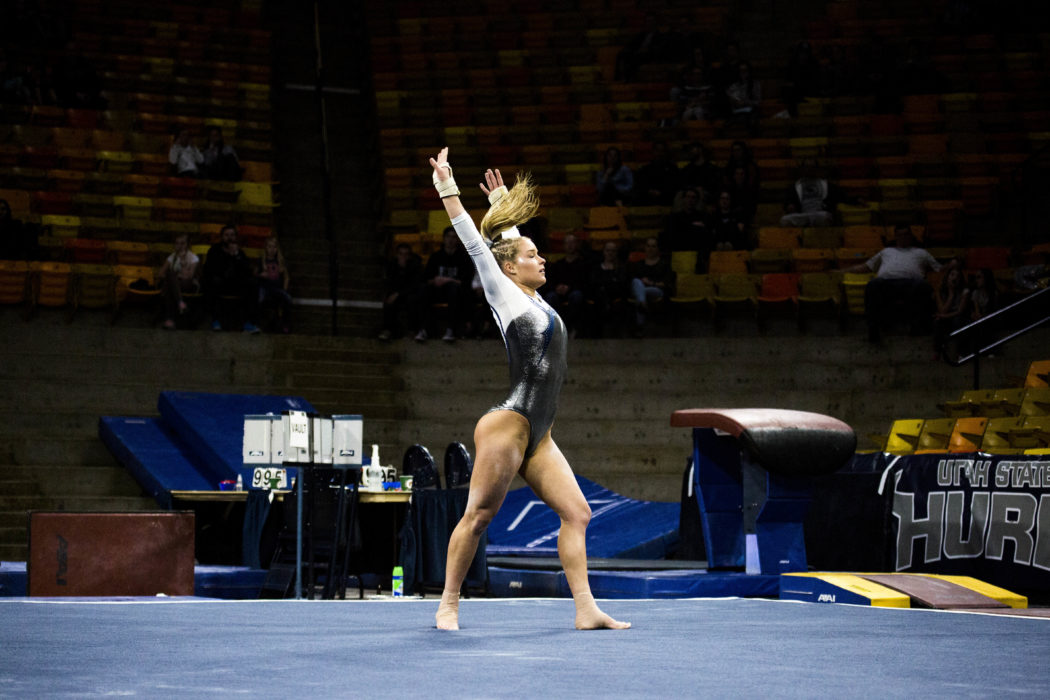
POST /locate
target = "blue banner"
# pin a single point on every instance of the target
(974, 514)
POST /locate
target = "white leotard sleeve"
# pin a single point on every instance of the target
(500, 292)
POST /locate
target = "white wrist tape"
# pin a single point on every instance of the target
(445, 188)
(497, 194)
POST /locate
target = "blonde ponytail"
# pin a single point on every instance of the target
(516, 207)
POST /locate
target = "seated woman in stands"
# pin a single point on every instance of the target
(179, 274)
(273, 282)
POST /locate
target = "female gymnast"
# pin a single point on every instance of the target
(514, 437)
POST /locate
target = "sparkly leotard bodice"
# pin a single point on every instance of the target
(533, 333)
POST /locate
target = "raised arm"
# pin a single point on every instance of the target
(445, 185)
(492, 278)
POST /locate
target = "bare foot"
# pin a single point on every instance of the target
(447, 616)
(590, 617)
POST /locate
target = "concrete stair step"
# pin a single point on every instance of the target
(13, 552)
(55, 450)
(56, 480)
(12, 534)
(327, 373)
(98, 396)
(90, 504)
(326, 349)
(158, 369)
(19, 487)
(335, 401)
(46, 423)
(15, 518)
(53, 337)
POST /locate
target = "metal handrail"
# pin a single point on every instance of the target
(1015, 320)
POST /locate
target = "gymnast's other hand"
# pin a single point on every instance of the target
(493, 180)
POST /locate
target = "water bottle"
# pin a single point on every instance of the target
(398, 583)
(240, 483)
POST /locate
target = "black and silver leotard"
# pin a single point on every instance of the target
(533, 333)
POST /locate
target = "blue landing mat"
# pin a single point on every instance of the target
(214, 423)
(223, 582)
(506, 582)
(620, 527)
(194, 445)
(512, 649)
(156, 457)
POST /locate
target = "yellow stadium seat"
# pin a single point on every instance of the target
(734, 293)
(904, 436)
(134, 207)
(51, 284)
(722, 262)
(853, 285)
(606, 218)
(969, 403)
(804, 260)
(997, 435)
(967, 434)
(770, 260)
(1038, 374)
(94, 287)
(683, 262)
(14, 282)
(935, 435)
(1036, 401)
(779, 237)
(1034, 433)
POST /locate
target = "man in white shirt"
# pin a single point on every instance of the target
(184, 156)
(900, 278)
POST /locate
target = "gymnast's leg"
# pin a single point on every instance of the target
(500, 440)
(548, 473)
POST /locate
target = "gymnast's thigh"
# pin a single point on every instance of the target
(548, 473)
(500, 441)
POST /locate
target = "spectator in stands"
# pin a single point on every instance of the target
(18, 241)
(446, 280)
(607, 289)
(185, 158)
(656, 182)
(694, 95)
(953, 308)
(740, 157)
(812, 199)
(652, 280)
(726, 225)
(984, 294)
(615, 180)
(686, 227)
(566, 284)
(219, 158)
(273, 279)
(229, 278)
(745, 97)
(700, 173)
(900, 277)
(180, 274)
(745, 198)
(404, 276)
(725, 74)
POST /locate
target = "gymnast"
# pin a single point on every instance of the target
(514, 437)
